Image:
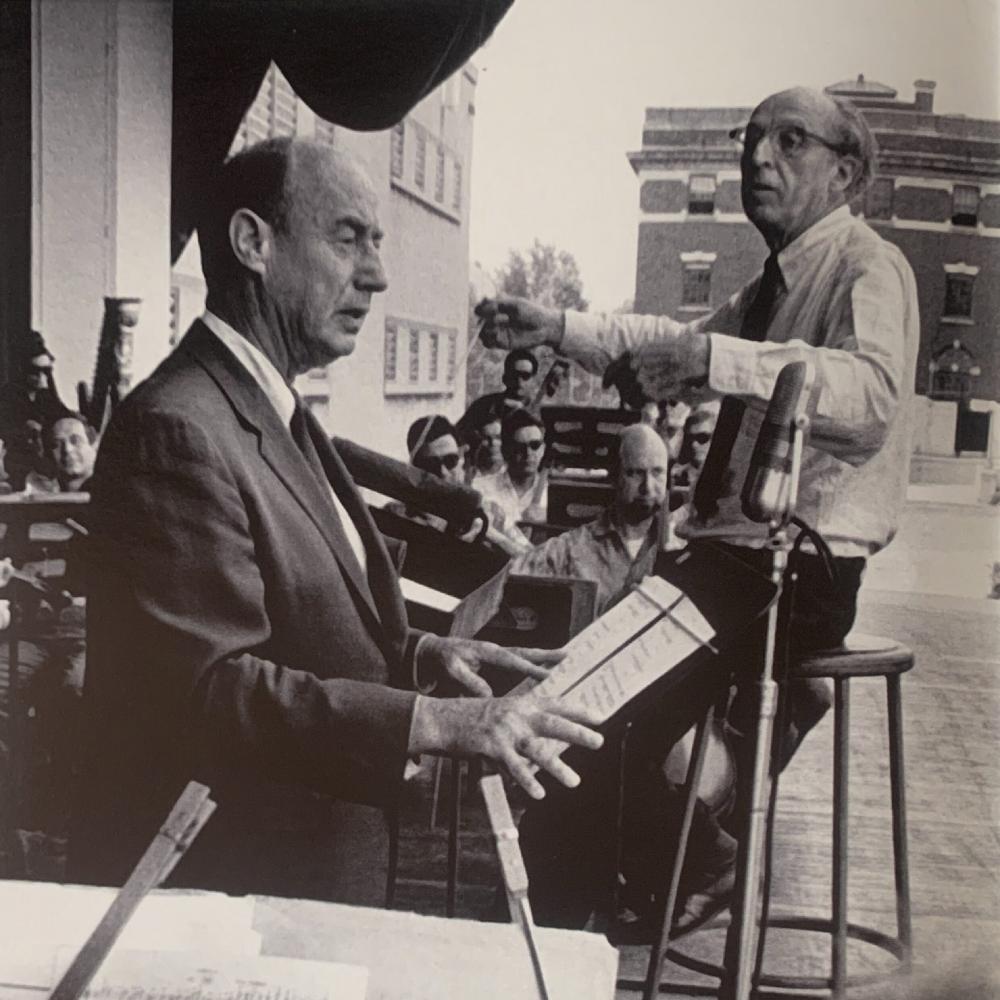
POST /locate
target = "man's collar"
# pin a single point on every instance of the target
(257, 364)
(792, 257)
(607, 524)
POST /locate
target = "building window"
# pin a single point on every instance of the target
(696, 285)
(420, 168)
(965, 205)
(439, 177)
(701, 194)
(391, 364)
(452, 347)
(419, 358)
(175, 314)
(434, 364)
(958, 295)
(456, 193)
(414, 356)
(879, 202)
(396, 150)
(284, 104)
(274, 112)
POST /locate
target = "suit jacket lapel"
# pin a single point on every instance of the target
(280, 452)
(381, 575)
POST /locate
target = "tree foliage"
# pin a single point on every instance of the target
(545, 275)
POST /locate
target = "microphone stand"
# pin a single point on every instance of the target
(742, 937)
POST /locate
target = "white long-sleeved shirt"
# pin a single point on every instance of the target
(848, 306)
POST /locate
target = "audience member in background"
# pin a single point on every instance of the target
(519, 370)
(484, 443)
(521, 490)
(695, 441)
(26, 406)
(70, 447)
(433, 447)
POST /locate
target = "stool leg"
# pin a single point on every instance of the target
(656, 956)
(898, 785)
(392, 871)
(454, 821)
(841, 754)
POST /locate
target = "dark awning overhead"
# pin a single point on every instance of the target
(358, 63)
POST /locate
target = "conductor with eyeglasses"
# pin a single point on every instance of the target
(832, 293)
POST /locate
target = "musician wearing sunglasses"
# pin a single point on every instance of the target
(832, 293)
(432, 443)
(520, 490)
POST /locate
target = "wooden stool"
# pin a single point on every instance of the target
(859, 656)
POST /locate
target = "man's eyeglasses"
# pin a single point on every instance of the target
(438, 463)
(523, 447)
(789, 140)
(521, 375)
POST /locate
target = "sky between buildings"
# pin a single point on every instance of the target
(564, 85)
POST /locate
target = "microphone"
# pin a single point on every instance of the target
(459, 505)
(766, 489)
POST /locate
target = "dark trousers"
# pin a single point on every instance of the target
(571, 839)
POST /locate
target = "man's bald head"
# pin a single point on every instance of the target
(642, 473)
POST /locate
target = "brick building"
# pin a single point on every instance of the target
(936, 196)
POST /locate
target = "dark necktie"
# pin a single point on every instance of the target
(712, 478)
(302, 438)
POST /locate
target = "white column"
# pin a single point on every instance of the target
(101, 145)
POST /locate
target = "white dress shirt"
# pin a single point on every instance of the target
(849, 307)
(282, 398)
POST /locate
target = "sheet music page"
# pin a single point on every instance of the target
(650, 656)
(608, 633)
(155, 975)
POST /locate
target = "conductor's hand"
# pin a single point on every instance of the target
(510, 322)
(459, 662)
(520, 733)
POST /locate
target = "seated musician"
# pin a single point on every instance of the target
(481, 436)
(618, 548)
(616, 551)
(433, 447)
(521, 490)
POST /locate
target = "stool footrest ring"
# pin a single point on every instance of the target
(859, 932)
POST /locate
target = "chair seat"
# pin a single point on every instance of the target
(859, 655)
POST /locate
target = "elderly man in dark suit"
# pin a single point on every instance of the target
(246, 626)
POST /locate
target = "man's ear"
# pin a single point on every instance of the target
(251, 239)
(847, 171)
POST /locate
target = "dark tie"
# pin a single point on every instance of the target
(303, 439)
(712, 479)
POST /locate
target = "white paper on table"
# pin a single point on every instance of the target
(39, 920)
(154, 975)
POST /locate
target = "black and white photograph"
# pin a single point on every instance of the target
(499, 499)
